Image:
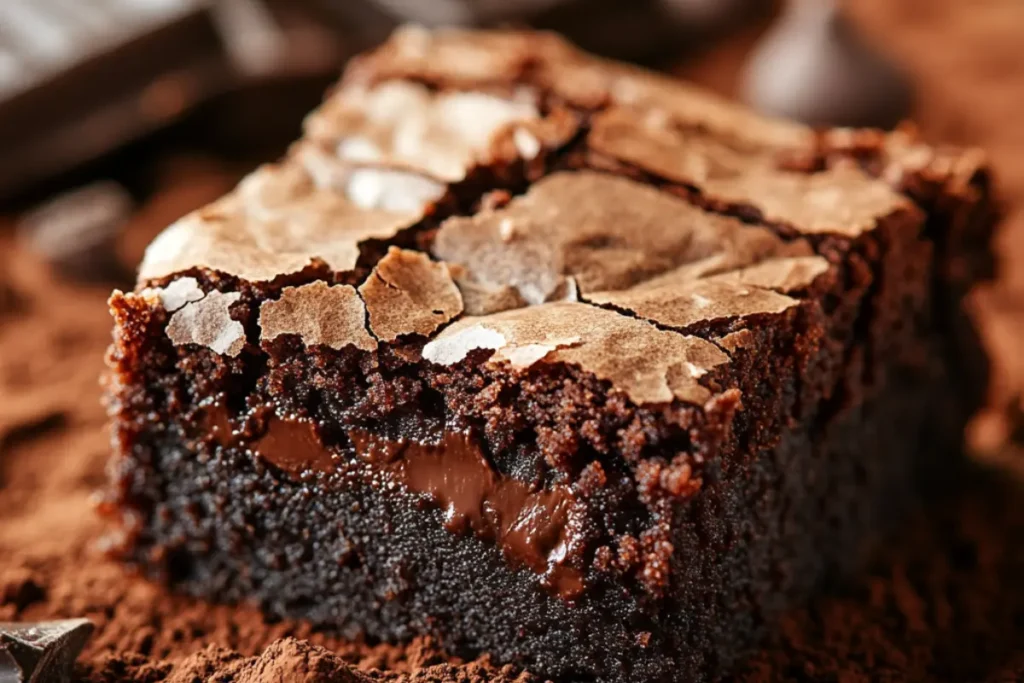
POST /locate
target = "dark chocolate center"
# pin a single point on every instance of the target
(533, 528)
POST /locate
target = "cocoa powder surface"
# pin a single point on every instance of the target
(942, 600)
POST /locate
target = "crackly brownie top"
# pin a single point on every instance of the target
(605, 233)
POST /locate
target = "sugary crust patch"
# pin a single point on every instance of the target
(647, 364)
(842, 200)
(784, 275)
(654, 142)
(586, 79)
(736, 341)
(176, 294)
(275, 223)
(481, 298)
(905, 155)
(320, 315)
(368, 187)
(472, 59)
(403, 124)
(407, 293)
(207, 322)
(606, 232)
(682, 304)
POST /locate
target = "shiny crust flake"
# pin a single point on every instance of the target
(207, 322)
(407, 293)
(604, 232)
(839, 201)
(277, 222)
(401, 124)
(648, 364)
(320, 315)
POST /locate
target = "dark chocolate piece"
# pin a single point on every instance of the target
(86, 78)
(77, 232)
(41, 652)
(812, 66)
(80, 80)
(548, 357)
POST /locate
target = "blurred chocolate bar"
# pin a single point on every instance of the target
(79, 79)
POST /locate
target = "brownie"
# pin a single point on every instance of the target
(547, 357)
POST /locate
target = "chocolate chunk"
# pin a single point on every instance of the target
(41, 651)
(80, 80)
(814, 67)
(76, 232)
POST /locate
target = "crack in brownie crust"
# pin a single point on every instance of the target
(547, 356)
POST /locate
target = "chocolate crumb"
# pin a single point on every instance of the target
(20, 588)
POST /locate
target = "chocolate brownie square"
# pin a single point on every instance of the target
(547, 357)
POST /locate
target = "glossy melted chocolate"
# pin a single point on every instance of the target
(294, 446)
(534, 529)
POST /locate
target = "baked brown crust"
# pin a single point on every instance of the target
(320, 315)
(407, 293)
(417, 116)
(276, 223)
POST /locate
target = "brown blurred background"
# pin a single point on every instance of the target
(119, 116)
